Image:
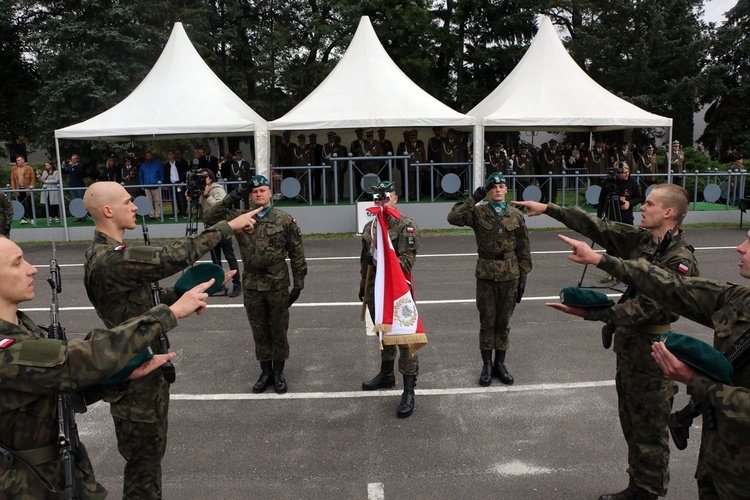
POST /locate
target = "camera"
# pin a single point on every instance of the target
(619, 168)
(195, 181)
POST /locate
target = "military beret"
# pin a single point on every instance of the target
(580, 297)
(381, 131)
(331, 134)
(200, 273)
(121, 376)
(312, 135)
(495, 178)
(699, 355)
(301, 136)
(238, 152)
(258, 181)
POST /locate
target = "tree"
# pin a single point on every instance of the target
(727, 118)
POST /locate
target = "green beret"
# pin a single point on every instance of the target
(122, 375)
(580, 297)
(200, 273)
(495, 178)
(258, 181)
(699, 355)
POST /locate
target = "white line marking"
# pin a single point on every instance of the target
(458, 391)
(375, 491)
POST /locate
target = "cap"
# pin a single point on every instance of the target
(452, 131)
(200, 273)
(258, 181)
(675, 143)
(238, 152)
(287, 133)
(497, 145)
(435, 129)
(552, 141)
(369, 133)
(358, 131)
(406, 132)
(493, 179)
(523, 146)
(649, 148)
(313, 134)
(331, 134)
(381, 131)
(580, 297)
(699, 355)
(301, 136)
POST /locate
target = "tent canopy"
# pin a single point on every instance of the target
(366, 88)
(180, 97)
(549, 91)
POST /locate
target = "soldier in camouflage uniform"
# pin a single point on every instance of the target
(503, 263)
(34, 369)
(6, 214)
(118, 281)
(265, 278)
(404, 235)
(724, 460)
(644, 393)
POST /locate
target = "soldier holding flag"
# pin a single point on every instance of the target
(389, 249)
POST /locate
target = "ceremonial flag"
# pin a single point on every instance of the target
(396, 317)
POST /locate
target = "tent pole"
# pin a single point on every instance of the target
(262, 150)
(63, 213)
(478, 177)
(668, 156)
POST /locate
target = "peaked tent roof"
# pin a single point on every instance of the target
(366, 88)
(549, 91)
(168, 103)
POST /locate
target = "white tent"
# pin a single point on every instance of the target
(180, 97)
(549, 91)
(366, 88)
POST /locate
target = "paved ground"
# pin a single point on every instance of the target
(554, 434)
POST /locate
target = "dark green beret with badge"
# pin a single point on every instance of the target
(699, 355)
(200, 273)
(493, 179)
(258, 181)
(580, 297)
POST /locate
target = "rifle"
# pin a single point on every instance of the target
(608, 330)
(67, 431)
(679, 422)
(167, 369)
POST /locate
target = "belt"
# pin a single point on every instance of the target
(266, 270)
(496, 256)
(37, 456)
(654, 329)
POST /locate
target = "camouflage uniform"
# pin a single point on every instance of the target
(404, 235)
(724, 459)
(265, 276)
(504, 260)
(6, 214)
(118, 282)
(33, 369)
(644, 393)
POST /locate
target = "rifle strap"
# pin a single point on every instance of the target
(30, 459)
(739, 352)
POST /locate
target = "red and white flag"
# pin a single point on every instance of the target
(396, 318)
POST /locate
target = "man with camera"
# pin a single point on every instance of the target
(212, 194)
(644, 393)
(619, 194)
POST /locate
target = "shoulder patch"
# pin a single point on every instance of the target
(409, 229)
(119, 248)
(683, 269)
(294, 221)
(6, 343)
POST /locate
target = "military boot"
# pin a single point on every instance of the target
(632, 492)
(499, 370)
(406, 408)
(278, 376)
(485, 379)
(383, 380)
(266, 377)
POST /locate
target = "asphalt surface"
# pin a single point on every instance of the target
(554, 434)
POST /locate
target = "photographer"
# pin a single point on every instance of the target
(620, 186)
(212, 194)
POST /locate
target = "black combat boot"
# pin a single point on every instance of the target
(632, 492)
(278, 376)
(236, 290)
(406, 408)
(266, 377)
(499, 370)
(485, 379)
(383, 380)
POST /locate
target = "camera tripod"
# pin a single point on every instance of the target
(609, 209)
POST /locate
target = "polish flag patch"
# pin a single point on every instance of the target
(6, 343)
(682, 268)
(119, 248)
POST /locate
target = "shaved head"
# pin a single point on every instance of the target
(101, 194)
